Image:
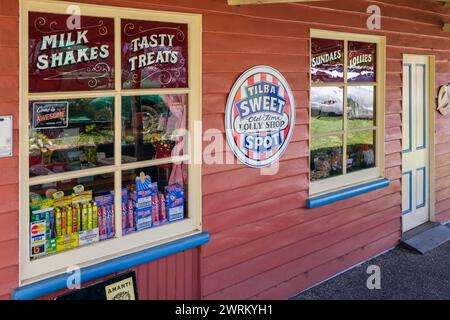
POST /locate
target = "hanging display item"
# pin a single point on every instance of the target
(260, 116)
(67, 59)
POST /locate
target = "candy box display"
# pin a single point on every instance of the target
(106, 217)
(175, 202)
(143, 218)
(141, 200)
(60, 222)
(127, 213)
(144, 207)
(159, 211)
(142, 195)
(66, 242)
(88, 236)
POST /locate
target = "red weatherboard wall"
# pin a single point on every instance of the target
(173, 278)
(264, 243)
(9, 167)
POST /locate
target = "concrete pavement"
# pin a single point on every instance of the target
(404, 275)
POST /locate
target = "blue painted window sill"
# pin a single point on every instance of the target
(59, 282)
(346, 193)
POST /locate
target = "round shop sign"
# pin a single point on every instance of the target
(260, 116)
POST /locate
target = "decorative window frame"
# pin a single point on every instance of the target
(32, 271)
(332, 184)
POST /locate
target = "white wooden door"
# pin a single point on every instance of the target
(415, 177)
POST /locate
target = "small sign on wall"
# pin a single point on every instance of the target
(6, 136)
(444, 100)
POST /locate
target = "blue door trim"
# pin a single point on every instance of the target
(409, 173)
(424, 107)
(424, 170)
(409, 149)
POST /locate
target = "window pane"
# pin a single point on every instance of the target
(361, 102)
(327, 63)
(153, 196)
(71, 135)
(75, 59)
(326, 157)
(71, 213)
(361, 61)
(326, 109)
(153, 127)
(154, 54)
(360, 150)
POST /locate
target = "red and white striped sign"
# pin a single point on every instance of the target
(260, 116)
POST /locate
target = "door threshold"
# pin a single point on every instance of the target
(426, 237)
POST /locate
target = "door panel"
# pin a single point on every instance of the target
(415, 182)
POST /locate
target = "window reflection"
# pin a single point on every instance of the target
(326, 109)
(361, 106)
(326, 157)
(360, 150)
(153, 126)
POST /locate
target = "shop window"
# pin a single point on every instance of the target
(347, 110)
(110, 165)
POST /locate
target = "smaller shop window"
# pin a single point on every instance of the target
(346, 110)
